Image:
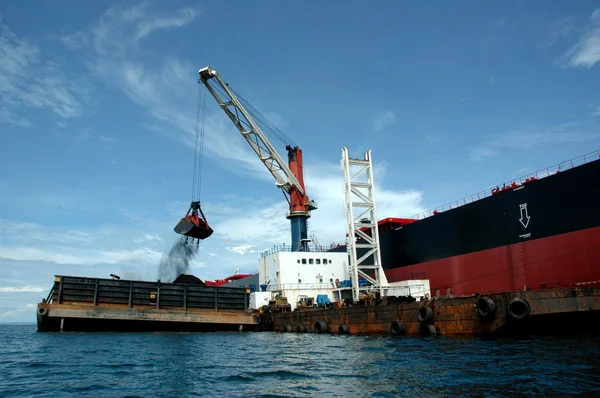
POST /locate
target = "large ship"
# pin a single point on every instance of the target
(540, 231)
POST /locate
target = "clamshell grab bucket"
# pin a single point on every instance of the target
(194, 225)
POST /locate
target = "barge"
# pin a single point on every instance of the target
(94, 304)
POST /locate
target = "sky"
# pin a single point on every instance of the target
(98, 106)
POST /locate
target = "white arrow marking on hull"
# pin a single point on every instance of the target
(524, 215)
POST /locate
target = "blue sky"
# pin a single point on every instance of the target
(98, 112)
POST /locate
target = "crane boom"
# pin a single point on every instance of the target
(289, 177)
(251, 132)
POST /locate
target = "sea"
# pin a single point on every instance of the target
(269, 364)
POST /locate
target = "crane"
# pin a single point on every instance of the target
(289, 177)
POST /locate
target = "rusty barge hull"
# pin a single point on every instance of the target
(96, 304)
(540, 311)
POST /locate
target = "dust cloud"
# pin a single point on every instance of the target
(177, 260)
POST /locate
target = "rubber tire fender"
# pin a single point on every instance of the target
(486, 307)
(300, 328)
(397, 328)
(42, 311)
(343, 329)
(321, 327)
(431, 330)
(288, 328)
(518, 308)
(425, 314)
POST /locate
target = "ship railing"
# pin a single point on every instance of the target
(307, 286)
(288, 248)
(546, 172)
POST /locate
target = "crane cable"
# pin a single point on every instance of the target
(199, 143)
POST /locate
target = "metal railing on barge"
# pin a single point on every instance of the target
(546, 172)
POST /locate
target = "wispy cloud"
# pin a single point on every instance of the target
(84, 134)
(17, 312)
(180, 18)
(148, 238)
(586, 52)
(479, 153)
(27, 80)
(116, 54)
(532, 138)
(560, 29)
(384, 119)
(596, 112)
(7, 116)
(75, 41)
(498, 23)
(22, 289)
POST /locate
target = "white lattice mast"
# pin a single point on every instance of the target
(361, 214)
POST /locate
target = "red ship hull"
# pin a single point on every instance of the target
(563, 260)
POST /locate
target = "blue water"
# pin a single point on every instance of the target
(289, 365)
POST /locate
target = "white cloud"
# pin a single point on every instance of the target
(384, 119)
(242, 249)
(596, 112)
(146, 26)
(264, 225)
(586, 52)
(22, 289)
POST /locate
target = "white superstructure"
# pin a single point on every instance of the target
(302, 273)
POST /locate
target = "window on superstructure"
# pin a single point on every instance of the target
(298, 261)
(318, 261)
(310, 261)
(299, 280)
(324, 261)
(303, 261)
(320, 280)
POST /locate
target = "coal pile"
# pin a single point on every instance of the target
(189, 279)
(177, 260)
